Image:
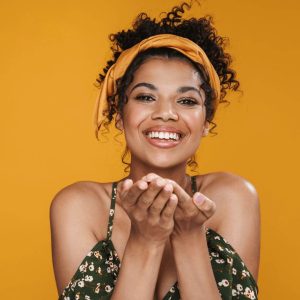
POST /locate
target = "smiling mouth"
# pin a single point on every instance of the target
(164, 135)
(163, 139)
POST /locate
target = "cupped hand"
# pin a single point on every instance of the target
(191, 212)
(151, 207)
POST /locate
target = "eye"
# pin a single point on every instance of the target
(188, 101)
(145, 98)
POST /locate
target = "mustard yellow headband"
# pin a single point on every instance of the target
(117, 70)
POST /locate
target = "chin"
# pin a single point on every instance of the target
(163, 162)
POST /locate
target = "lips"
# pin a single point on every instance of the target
(164, 129)
(162, 143)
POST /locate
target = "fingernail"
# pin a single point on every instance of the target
(127, 181)
(149, 177)
(199, 198)
(168, 187)
(143, 185)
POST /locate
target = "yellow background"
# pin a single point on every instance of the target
(50, 55)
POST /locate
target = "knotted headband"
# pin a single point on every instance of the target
(117, 70)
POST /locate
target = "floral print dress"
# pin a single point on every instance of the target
(96, 276)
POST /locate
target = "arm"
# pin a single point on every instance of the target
(240, 220)
(241, 229)
(151, 209)
(139, 271)
(195, 275)
(73, 211)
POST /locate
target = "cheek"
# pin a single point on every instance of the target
(133, 116)
(194, 121)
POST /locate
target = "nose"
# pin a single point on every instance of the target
(165, 110)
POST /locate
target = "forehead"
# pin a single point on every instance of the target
(161, 70)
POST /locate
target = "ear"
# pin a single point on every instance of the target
(205, 129)
(119, 122)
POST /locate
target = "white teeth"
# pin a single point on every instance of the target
(163, 135)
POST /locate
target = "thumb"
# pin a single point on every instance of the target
(203, 203)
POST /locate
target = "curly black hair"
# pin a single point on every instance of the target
(201, 31)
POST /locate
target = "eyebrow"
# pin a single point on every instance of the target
(152, 87)
(185, 89)
(148, 85)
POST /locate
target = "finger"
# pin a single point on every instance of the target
(168, 212)
(134, 193)
(160, 201)
(182, 195)
(123, 187)
(185, 202)
(204, 204)
(150, 177)
(126, 184)
(147, 198)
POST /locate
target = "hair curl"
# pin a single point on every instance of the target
(201, 31)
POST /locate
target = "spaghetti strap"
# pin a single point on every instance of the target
(194, 184)
(111, 210)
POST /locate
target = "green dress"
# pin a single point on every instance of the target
(96, 276)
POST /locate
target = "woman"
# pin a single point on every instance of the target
(178, 237)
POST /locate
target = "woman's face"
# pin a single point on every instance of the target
(164, 117)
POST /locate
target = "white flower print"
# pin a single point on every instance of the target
(220, 248)
(91, 267)
(97, 289)
(215, 254)
(81, 283)
(73, 284)
(224, 282)
(233, 271)
(108, 288)
(111, 212)
(82, 268)
(249, 294)
(220, 261)
(239, 287)
(245, 274)
(97, 254)
(234, 292)
(86, 297)
(88, 278)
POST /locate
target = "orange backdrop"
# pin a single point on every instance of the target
(51, 53)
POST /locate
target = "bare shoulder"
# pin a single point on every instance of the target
(81, 197)
(229, 190)
(77, 212)
(237, 217)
